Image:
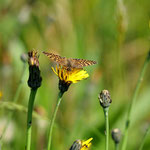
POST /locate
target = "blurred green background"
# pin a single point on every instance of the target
(114, 33)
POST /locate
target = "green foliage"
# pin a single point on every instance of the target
(114, 33)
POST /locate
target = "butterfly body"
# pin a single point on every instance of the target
(69, 63)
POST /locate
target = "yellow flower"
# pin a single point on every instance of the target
(81, 145)
(1, 94)
(66, 77)
(86, 144)
(71, 76)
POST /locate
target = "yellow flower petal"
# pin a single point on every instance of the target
(54, 71)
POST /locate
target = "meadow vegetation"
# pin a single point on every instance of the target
(114, 33)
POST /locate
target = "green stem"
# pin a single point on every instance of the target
(144, 138)
(116, 146)
(107, 128)
(14, 100)
(53, 120)
(127, 125)
(29, 118)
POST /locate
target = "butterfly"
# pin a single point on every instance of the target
(69, 63)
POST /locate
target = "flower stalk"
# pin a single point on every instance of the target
(29, 118)
(144, 138)
(106, 127)
(133, 100)
(116, 146)
(53, 120)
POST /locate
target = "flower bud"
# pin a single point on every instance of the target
(76, 145)
(116, 135)
(35, 79)
(104, 98)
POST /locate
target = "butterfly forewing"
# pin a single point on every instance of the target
(56, 58)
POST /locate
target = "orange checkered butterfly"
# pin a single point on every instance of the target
(69, 62)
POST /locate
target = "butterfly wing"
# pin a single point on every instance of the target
(56, 58)
(80, 63)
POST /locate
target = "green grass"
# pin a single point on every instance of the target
(115, 35)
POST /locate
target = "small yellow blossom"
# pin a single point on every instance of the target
(70, 76)
(86, 144)
(1, 94)
(81, 145)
